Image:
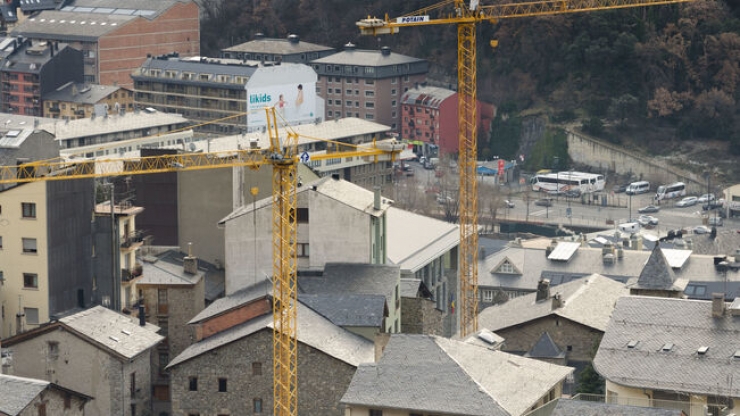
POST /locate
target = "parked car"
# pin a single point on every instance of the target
(647, 220)
(717, 203)
(544, 202)
(509, 204)
(702, 229)
(648, 209)
(573, 193)
(706, 198)
(687, 202)
(617, 189)
(716, 221)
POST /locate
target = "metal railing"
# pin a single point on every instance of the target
(685, 406)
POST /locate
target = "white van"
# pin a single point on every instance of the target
(629, 227)
(638, 188)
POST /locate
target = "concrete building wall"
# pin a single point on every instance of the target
(82, 367)
(14, 262)
(122, 51)
(577, 341)
(52, 400)
(322, 380)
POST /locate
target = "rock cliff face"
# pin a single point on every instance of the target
(533, 129)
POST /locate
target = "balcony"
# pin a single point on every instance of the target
(687, 407)
(133, 240)
(128, 275)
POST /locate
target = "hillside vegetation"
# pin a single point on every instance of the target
(654, 78)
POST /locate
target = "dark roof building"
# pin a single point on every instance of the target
(27, 396)
(78, 100)
(367, 84)
(266, 49)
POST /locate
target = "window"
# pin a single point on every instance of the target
(193, 384)
(162, 301)
(30, 281)
(164, 358)
(506, 268)
(32, 315)
(29, 209)
(348, 92)
(29, 245)
(132, 382)
(222, 385)
(370, 93)
(256, 368)
(53, 350)
(376, 412)
(302, 249)
(67, 401)
(1, 242)
(42, 409)
(257, 405)
(393, 103)
(369, 104)
(303, 215)
(487, 295)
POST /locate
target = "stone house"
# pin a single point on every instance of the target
(171, 295)
(419, 310)
(229, 367)
(561, 324)
(30, 397)
(97, 352)
(678, 353)
(427, 374)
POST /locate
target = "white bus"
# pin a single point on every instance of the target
(674, 190)
(568, 181)
(640, 187)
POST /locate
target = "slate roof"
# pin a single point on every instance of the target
(534, 265)
(86, 127)
(167, 273)
(313, 330)
(588, 301)
(81, 93)
(353, 278)
(215, 275)
(485, 339)
(29, 6)
(688, 325)
(567, 407)
(236, 299)
(71, 26)
(431, 238)
(658, 275)
(432, 374)
(366, 58)
(119, 333)
(277, 46)
(545, 348)
(414, 288)
(17, 393)
(431, 97)
(347, 310)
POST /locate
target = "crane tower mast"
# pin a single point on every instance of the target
(466, 17)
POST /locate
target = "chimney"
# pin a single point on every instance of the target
(142, 315)
(376, 199)
(557, 301)
(294, 39)
(550, 248)
(385, 51)
(636, 241)
(335, 176)
(718, 305)
(482, 253)
(543, 290)
(190, 263)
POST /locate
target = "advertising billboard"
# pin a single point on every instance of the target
(290, 89)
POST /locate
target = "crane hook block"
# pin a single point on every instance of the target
(494, 43)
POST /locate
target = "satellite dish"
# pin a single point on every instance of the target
(192, 147)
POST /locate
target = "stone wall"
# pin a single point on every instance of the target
(53, 400)
(606, 157)
(420, 316)
(581, 339)
(322, 380)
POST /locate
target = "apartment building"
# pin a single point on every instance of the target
(227, 96)
(430, 117)
(115, 37)
(34, 68)
(368, 84)
(73, 101)
(265, 49)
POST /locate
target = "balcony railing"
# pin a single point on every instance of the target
(132, 238)
(129, 274)
(687, 408)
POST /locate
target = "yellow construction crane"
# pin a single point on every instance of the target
(282, 155)
(466, 17)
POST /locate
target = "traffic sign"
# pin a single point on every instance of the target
(305, 157)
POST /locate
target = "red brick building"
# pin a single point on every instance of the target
(429, 115)
(115, 40)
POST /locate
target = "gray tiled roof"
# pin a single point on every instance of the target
(414, 288)
(688, 325)
(534, 265)
(81, 93)
(567, 407)
(276, 46)
(347, 310)
(431, 239)
(353, 278)
(657, 274)
(71, 25)
(366, 58)
(313, 330)
(166, 273)
(117, 332)
(432, 374)
(236, 299)
(588, 301)
(545, 348)
(16, 393)
(87, 127)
